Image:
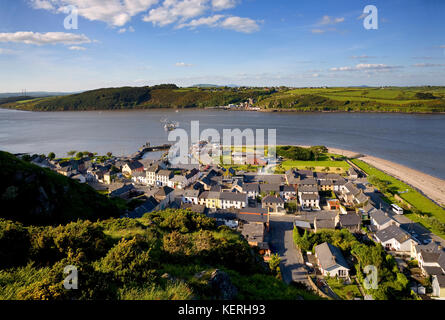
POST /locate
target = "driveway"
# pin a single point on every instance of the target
(281, 242)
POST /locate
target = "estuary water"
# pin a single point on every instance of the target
(416, 141)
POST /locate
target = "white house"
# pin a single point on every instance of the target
(310, 201)
(331, 261)
(394, 238)
(190, 196)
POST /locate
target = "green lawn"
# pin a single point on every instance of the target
(346, 292)
(318, 165)
(413, 197)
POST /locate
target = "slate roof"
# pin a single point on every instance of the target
(191, 193)
(272, 199)
(310, 196)
(392, 232)
(380, 217)
(251, 187)
(266, 188)
(147, 206)
(351, 219)
(330, 256)
(308, 189)
(233, 196)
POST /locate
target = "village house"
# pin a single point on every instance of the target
(331, 261)
(123, 192)
(438, 285)
(393, 238)
(150, 205)
(352, 173)
(273, 203)
(184, 180)
(288, 193)
(164, 195)
(351, 222)
(310, 201)
(380, 220)
(324, 224)
(234, 200)
(254, 234)
(430, 257)
(131, 167)
(326, 185)
(191, 196)
(163, 177)
(252, 190)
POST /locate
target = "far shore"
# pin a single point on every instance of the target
(432, 187)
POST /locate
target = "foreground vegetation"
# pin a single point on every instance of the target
(390, 99)
(424, 211)
(35, 195)
(173, 254)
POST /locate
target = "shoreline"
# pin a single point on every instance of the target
(431, 187)
(239, 110)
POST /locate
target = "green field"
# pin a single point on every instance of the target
(344, 99)
(413, 197)
(318, 165)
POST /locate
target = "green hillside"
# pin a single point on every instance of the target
(354, 99)
(34, 195)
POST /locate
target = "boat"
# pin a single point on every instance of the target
(171, 125)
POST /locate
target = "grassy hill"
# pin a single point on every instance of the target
(34, 195)
(357, 99)
(392, 99)
(162, 96)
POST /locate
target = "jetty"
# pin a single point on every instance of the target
(148, 148)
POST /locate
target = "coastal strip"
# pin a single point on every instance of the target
(431, 187)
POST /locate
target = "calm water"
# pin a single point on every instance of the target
(417, 141)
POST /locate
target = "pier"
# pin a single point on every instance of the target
(147, 148)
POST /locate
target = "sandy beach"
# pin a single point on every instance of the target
(432, 187)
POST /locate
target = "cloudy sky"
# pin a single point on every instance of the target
(245, 42)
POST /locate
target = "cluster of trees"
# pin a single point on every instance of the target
(157, 256)
(299, 153)
(392, 284)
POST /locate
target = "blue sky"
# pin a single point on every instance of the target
(246, 42)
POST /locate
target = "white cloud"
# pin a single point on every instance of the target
(211, 21)
(114, 12)
(428, 65)
(29, 37)
(183, 64)
(239, 24)
(365, 67)
(223, 4)
(77, 48)
(123, 30)
(188, 13)
(174, 10)
(245, 25)
(327, 20)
